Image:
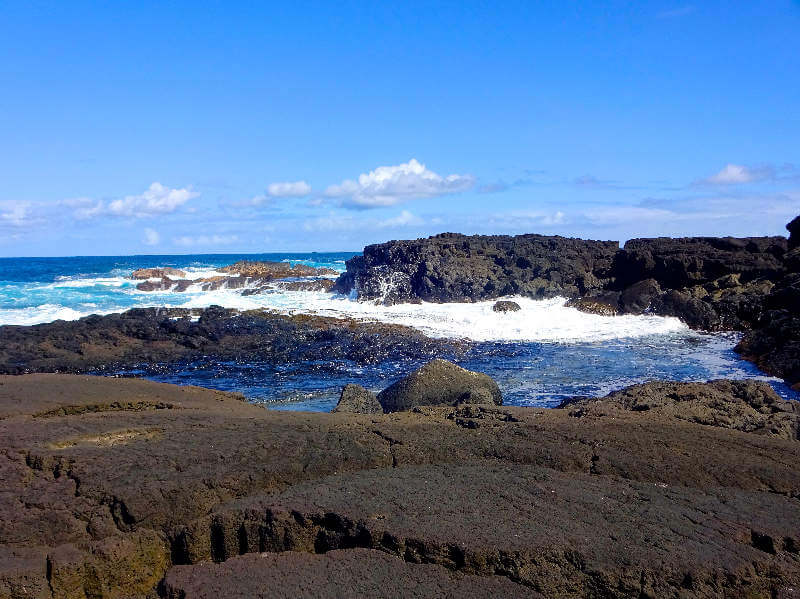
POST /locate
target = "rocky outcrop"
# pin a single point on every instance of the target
(750, 406)
(774, 342)
(357, 400)
(506, 306)
(157, 273)
(710, 283)
(439, 382)
(257, 277)
(128, 488)
(457, 268)
(275, 270)
(152, 339)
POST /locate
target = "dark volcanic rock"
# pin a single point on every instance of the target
(750, 406)
(438, 382)
(506, 306)
(794, 233)
(107, 483)
(357, 400)
(354, 573)
(457, 268)
(774, 344)
(690, 261)
(592, 306)
(152, 338)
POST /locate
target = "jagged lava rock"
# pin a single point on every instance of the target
(506, 306)
(274, 270)
(157, 273)
(438, 382)
(751, 406)
(457, 268)
(357, 400)
(774, 343)
(354, 573)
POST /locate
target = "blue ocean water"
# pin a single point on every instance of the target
(539, 356)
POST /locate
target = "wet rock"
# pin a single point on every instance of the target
(157, 273)
(459, 268)
(438, 382)
(357, 400)
(313, 285)
(163, 284)
(274, 270)
(506, 306)
(153, 339)
(591, 306)
(638, 298)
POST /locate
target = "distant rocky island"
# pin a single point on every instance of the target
(122, 487)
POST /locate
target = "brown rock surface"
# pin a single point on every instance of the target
(345, 574)
(108, 482)
(157, 273)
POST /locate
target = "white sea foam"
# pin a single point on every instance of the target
(40, 314)
(538, 320)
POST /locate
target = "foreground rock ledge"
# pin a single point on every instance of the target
(128, 488)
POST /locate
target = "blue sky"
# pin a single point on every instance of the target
(183, 127)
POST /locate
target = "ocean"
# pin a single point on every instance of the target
(540, 355)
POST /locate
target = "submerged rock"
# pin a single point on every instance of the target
(506, 306)
(439, 382)
(357, 400)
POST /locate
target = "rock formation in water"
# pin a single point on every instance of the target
(256, 276)
(127, 488)
(710, 283)
(160, 339)
(774, 343)
(457, 268)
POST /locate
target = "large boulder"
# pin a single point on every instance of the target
(357, 400)
(439, 382)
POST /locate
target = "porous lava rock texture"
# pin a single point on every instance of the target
(129, 488)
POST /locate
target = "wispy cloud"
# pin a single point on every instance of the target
(205, 240)
(156, 200)
(390, 185)
(733, 174)
(16, 214)
(289, 189)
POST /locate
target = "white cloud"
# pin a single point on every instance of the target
(189, 241)
(733, 174)
(16, 214)
(404, 219)
(151, 237)
(390, 185)
(157, 199)
(154, 201)
(84, 208)
(289, 189)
